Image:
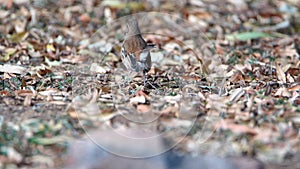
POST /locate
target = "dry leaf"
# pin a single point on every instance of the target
(84, 18)
(23, 93)
(138, 99)
(170, 111)
(282, 92)
(236, 128)
(27, 100)
(12, 69)
(280, 74)
(98, 69)
(236, 94)
(143, 108)
(4, 93)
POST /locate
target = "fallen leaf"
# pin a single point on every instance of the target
(12, 69)
(244, 36)
(4, 93)
(280, 74)
(170, 111)
(143, 108)
(52, 63)
(84, 17)
(294, 88)
(282, 92)
(236, 94)
(27, 100)
(17, 37)
(9, 53)
(98, 69)
(74, 59)
(23, 93)
(138, 99)
(49, 141)
(236, 128)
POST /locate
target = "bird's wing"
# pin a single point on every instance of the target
(145, 60)
(129, 60)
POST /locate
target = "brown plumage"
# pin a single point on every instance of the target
(133, 40)
(135, 51)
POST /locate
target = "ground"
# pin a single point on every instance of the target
(225, 77)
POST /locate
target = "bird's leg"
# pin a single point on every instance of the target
(145, 81)
(144, 78)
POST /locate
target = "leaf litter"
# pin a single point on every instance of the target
(247, 79)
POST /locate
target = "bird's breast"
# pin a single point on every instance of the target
(134, 44)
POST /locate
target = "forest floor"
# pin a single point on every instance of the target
(225, 76)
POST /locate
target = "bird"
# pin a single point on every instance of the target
(135, 51)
